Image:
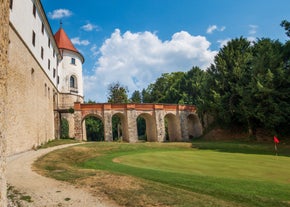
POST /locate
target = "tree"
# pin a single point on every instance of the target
(228, 83)
(94, 129)
(117, 93)
(64, 128)
(136, 97)
(286, 26)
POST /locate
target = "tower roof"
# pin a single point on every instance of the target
(63, 42)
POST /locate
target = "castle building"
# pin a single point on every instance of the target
(44, 78)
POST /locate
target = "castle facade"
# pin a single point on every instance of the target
(44, 78)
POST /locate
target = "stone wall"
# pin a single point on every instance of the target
(182, 121)
(30, 103)
(4, 41)
(65, 102)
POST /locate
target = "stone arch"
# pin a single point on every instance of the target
(150, 127)
(194, 126)
(99, 133)
(123, 126)
(172, 127)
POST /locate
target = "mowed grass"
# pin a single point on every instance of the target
(181, 174)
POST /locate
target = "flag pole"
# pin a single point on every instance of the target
(276, 141)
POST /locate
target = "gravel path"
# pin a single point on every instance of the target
(47, 192)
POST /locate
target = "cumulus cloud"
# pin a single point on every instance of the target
(78, 41)
(90, 27)
(59, 14)
(137, 59)
(212, 28)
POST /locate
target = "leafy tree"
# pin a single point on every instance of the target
(166, 89)
(228, 81)
(146, 97)
(286, 26)
(136, 97)
(64, 128)
(117, 93)
(94, 129)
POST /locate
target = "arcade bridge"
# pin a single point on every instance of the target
(182, 120)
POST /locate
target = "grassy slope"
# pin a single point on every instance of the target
(246, 179)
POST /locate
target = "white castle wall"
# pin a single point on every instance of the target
(22, 18)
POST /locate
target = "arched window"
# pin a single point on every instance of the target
(73, 82)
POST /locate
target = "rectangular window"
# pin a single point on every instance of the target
(53, 53)
(48, 64)
(42, 28)
(54, 71)
(41, 54)
(57, 79)
(73, 61)
(48, 42)
(11, 4)
(33, 38)
(34, 10)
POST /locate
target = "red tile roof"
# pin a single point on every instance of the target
(63, 42)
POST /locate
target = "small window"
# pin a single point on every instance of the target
(33, 38)
(57, 79)
(73, 61)
(42, 28)
(73, 82)
(48, 42)
(45, 89)
(41, 52)
(54, 71)
(48, 64)
(34, 10)
(11, 4)
(53, 53)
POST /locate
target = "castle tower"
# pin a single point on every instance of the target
(70, 67)
(70, 81)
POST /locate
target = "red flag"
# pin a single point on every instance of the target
(276, 140)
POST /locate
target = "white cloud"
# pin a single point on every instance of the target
(90, 27)
(223, 42)
(253, 29)
(222, 28)
(59, 14)
(252, 33)
(137, 59)
(94, 50)
(77, 41)
(212, 28)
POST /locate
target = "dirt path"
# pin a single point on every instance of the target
(47, 192)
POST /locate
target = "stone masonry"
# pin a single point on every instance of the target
(4, 42)
(183, 122)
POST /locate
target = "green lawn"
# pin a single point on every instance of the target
(201, 174)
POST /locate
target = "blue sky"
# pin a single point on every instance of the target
(135, 41)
